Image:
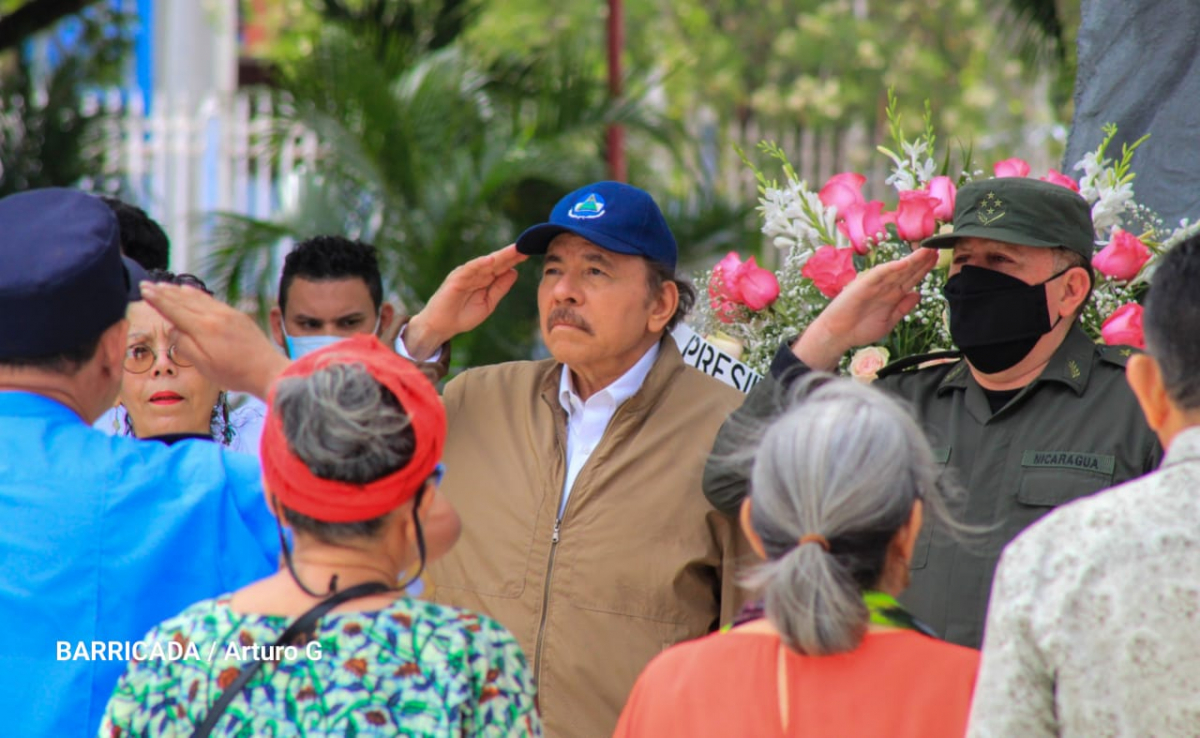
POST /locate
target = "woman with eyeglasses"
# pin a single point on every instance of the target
(330, 645)
(164, 397)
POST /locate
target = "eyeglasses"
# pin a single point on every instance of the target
(140, 357)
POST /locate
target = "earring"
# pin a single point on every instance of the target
(227, 432)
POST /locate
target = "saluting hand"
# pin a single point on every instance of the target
(223, 343)
(866, 310)
(466, 298)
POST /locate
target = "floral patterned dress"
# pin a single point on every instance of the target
(411, 669)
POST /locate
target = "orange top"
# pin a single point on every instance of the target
(897, 683)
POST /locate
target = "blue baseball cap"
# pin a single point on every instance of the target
(63, 280)
(614, 216)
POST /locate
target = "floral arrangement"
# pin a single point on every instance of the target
(829, 235)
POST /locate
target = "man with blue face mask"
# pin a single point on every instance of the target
(330, 289)
(1028, 415)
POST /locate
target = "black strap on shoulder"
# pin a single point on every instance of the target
(303, 624)
(909, 362)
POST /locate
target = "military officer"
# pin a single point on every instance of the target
(1028, 415)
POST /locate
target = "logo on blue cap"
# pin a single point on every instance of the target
(590, 207)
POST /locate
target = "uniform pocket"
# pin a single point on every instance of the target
(1052, 478)
(1045, 488)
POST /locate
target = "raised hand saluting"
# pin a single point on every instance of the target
(466, 298)
(866, 310)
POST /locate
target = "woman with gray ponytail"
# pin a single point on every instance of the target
(841, 482)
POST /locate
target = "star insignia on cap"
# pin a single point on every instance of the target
(989, 208)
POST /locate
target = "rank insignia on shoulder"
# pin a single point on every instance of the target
(1118, 355)
(918, 362)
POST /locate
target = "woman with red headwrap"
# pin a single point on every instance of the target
(330, 645)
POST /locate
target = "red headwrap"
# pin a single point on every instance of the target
(298, 489)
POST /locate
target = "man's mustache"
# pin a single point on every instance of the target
(566, 316)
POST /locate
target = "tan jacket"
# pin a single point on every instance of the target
(639, 560)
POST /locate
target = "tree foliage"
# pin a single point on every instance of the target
(434, 159)
(47, 135)
(19, 22)
(825, 65)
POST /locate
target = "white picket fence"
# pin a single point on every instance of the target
(185, 158)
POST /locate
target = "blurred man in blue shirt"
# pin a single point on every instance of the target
(102, 537)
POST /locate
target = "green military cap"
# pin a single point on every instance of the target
(1022, 211)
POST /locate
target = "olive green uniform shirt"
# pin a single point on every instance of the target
(1075, 430)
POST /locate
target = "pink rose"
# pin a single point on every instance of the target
(758, 286)
(914, 215)
(736, 284)
(843, 191)
(1124, 326)
(867, 361)
(1123, 257)
(944, 190)
(1056, 177)
(862, 222)
(830, 269)
(721, 295)
(1011, 168)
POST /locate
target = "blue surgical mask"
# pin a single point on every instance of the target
(300, 346)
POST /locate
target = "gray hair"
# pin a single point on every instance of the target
(847, 462)
(345, 426)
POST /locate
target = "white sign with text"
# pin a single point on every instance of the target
(711, 360)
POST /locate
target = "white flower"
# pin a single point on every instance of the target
(1092, 165)
(788, 218)
(1110, 204)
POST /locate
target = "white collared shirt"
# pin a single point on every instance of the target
(588, 419)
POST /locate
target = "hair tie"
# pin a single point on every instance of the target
(816, 538)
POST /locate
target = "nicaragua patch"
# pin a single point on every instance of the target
(590, 207)
(1099, 463)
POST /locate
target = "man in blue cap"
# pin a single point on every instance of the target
(578, 477)
(103, 537)
(584, 528)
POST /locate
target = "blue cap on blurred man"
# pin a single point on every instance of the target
(614, 216)
(63, 280)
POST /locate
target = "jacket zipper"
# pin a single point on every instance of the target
(537, 658)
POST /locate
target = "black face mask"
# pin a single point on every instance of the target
(996, 319)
